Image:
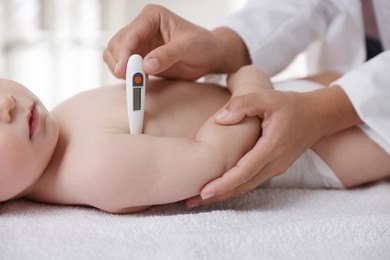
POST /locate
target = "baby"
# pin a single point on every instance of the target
(81, 153)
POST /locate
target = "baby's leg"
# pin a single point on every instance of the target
(354, 157)
(351, 154)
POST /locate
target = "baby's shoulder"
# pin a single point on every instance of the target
(77, 169)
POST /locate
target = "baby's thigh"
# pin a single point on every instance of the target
(308, 83)
(324, 78)
(354, 157)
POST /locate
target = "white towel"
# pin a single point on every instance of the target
(264, 224)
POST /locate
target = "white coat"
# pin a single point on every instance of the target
(276, 31)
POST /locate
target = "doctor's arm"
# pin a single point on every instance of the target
(268, 34)
(294, 122)
(171, 46)
(275, 32)
(367, 88)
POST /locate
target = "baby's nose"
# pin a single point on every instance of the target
(7, 104)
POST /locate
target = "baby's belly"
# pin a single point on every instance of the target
(177, 108)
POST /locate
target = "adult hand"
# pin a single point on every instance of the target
(292, 122)
(173, 47)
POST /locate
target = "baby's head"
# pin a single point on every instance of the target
(28, 135)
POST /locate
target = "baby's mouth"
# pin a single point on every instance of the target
(33, 121)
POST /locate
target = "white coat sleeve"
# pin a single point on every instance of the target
(368, 88)
(276, 31)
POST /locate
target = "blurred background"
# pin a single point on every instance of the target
(54, 47)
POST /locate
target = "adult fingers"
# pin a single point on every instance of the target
(165, 56)
(265, 174)
(109, 60)
(244, 171)
(118, 51)
(134, 38)
(121, 64)
(238, 107)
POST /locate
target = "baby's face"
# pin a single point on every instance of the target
(28, 135)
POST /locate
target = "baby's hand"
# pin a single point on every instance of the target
(248, 79)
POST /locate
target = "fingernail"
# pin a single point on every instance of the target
(193, 205)
(207, 196)
(154, 65)
(116, 69)
(222, 114)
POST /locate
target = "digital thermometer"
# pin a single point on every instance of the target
(135, 93)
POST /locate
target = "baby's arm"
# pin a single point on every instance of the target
(248, 79)
(132, 171)
(143, 170)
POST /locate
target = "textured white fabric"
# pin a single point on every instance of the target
(276, 31)
(382, 12)
(264, 224)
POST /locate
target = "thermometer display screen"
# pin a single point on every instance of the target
(136, 98)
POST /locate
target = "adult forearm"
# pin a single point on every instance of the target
(367, 87)
(333, 110)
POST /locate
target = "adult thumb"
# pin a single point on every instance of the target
(237, 109)
(162, 58)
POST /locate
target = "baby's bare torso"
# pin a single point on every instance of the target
(172, 108)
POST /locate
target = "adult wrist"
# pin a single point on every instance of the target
(233, 53)
(333, 110)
